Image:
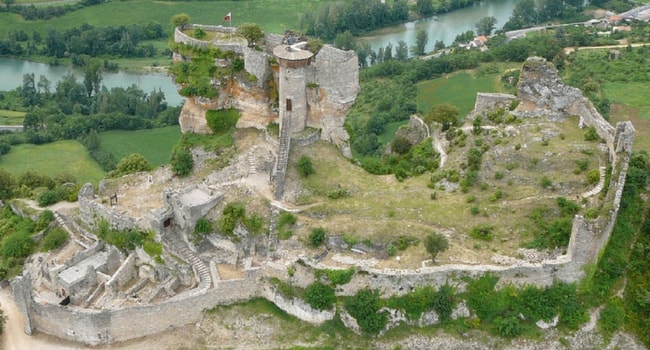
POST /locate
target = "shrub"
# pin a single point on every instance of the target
(54, 239)
(153, 249)
(444, 301)
(508, 326)
(435, 243)
(17, 245)
(401, 145)
(254, 223)
(498, 175)
(305, 166)
(545, 182)
(612, 316)
(131, 164)
(49, 197)
(320, 296)
(222, 120)
(337, 277)
(593, 176)
(590, 134)
(317, 237)
(203, 226)
(364, 307)
(182, 162)
(44, 219)
(482, 232)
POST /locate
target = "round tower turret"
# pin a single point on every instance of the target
(293, 60)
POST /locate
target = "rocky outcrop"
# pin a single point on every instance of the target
(541, 91)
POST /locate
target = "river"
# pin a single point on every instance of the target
(444, 27)
(12, 71)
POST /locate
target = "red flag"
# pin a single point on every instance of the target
(228, 17)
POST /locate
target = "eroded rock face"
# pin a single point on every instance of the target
(541, 90)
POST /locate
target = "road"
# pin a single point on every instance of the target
(568, 50)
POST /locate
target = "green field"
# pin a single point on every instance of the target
(458, 89)
(154, 144)
(53, 158)
(630, 102)
(273, 15)
(11, 117)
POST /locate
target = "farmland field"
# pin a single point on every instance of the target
(51, 159)
(458, 89)
(11, 117)
(273, 15)
(154, 144)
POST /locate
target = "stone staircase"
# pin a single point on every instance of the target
(79, 239)
(601, 183)
(252, 163)
(283, 156)
(179, 248)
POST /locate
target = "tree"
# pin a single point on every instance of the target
(8, 2)
(320, 296)
(132, 164)
(92, 71)
(439, 45)
(401, 51)
(388, 52)
(421, 39)
(252, 32)
(180, 20)
(445, 114)
(345, 41)
(364, 51)
(182, 162)
(7, 183)
(435, 243)
(486, 25)
(305, 166)
(424, 7)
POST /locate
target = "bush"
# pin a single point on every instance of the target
(593, 176)
(49, 197)
(54, 239)
(482, 232)
(44, 219)
(590, 134)
(17, 245)
(317, 236)
(509, 326)
(320, 296)
(364, 307)
(612, 316)
(203, 226)
(222, 121)
(336, 277)
(182, 162)
(305, 166)
(131, 164)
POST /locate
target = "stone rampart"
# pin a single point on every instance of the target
(94, 327)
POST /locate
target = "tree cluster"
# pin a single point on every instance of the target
(32, 12)
(356, 16)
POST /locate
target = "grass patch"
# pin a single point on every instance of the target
(275, 14)
(633, 94)
(154, 144)
(458, 89)
(52, 159)
(11, 117)
(389, 131)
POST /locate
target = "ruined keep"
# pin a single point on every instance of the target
(116, 297)
(315, 90)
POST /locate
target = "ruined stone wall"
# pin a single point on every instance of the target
(297, 307)
(334, 75)
(90, 210)
(94, 327)
(486, 102)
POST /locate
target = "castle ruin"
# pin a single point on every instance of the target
(115, 297)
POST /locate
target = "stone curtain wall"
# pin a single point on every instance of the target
(94, 327)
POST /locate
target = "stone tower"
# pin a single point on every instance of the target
(293, 63)
(293, 85)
